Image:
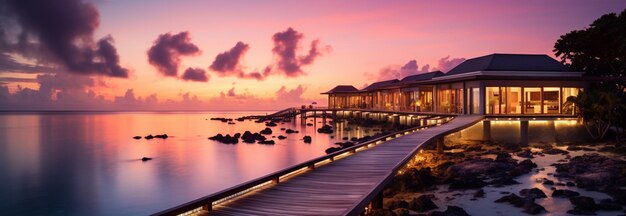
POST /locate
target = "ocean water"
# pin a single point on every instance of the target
(86, 163)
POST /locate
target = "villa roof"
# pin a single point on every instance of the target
(422, 76)
(380, 84)
(509, 62)
(342, 89)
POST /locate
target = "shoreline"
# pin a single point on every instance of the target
(472, 175)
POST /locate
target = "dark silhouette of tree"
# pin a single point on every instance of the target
(599, 50)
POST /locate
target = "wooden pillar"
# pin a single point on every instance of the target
(523, 128)
(486, 130)
(440, 145)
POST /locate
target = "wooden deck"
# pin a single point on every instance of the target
(343, 187)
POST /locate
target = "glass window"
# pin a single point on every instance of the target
(568, 92)
(512, 100)
(532, 103)
(492, 100)
(551, 100)
(475, 101)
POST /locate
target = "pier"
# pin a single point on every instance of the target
(341, 183)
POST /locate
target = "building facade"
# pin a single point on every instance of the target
(496, 84)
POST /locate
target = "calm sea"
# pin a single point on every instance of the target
(86, 163)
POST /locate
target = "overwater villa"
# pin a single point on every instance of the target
(496, 84)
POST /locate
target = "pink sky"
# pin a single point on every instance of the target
(357, 40)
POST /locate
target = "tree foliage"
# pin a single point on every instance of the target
(599, 50)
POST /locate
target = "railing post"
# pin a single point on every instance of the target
(276, 180)
(440, 145)
(208, 207)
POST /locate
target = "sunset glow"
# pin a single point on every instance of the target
(357, 43)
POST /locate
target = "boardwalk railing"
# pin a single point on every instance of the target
(207, 202)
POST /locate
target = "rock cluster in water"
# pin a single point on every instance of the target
(150, 136)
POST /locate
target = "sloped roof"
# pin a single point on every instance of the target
(509, 62)
(380, 84)
(342, 89)
(422, 76)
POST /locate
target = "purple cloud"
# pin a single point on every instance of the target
(195, 74)
(167, 49)
(285, 47)
(59, 33)
(228, 62)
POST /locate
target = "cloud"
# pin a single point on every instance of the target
(287, 61)
(446, 64)
(9, 64)
(293, 95)
(59, 33)
(228, 62)
(167, 49)
(396, 72)
(411, 68)
(195, 74)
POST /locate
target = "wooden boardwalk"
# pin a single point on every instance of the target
(343, 187)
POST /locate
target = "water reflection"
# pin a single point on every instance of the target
(88, 164)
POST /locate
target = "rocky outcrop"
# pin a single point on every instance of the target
(422, 203)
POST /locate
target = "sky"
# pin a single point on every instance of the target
(253, 55)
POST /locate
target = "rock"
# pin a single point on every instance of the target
(231, 123)
(584, 203)
(281, 137)
(137, 137)
(346, 144)
(307, 139)
(502, 156)
(332, 149)
(564, 193)
(290, 131)
(451, 211)
(146, 158)
(412, 180)
(548, 182)
(466, 183)
(221, 119)
(252, 138)
(609, 205)
(554, 151)
(344, 138)
(309, 124)
(401, 212)
(282, 129)
(266, 131)
(532, 193)
(381, 212)
(593, 171)
(533, 208)
(149, 137)
(162, 136)
(237, 135)
(270, 124)
(266, 142)
(422, 203)
(327, 129)
(525, 154)
(522, 168)
(394, 204)
(480, 193)
(512, 199)
(571, 184)
(581, 212)
(225, 139)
